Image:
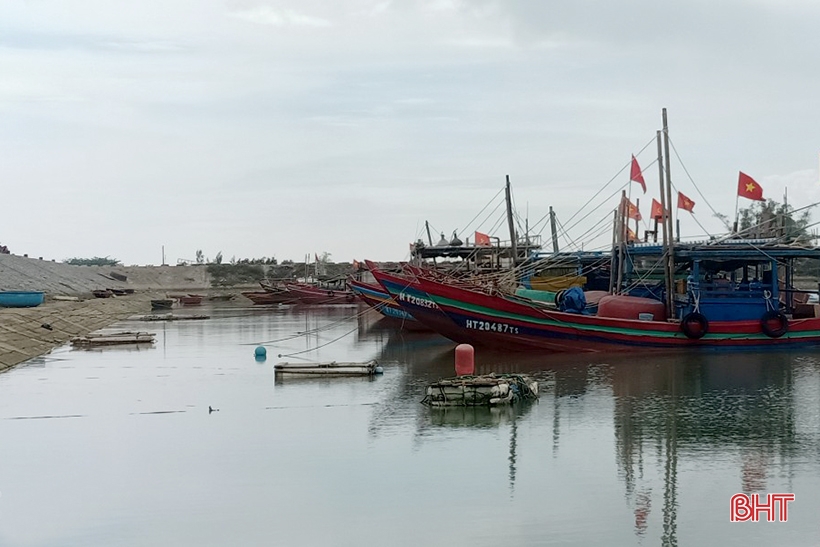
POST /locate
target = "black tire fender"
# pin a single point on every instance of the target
(774, 331)
(694, 325)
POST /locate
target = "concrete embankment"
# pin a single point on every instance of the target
(19, 273)
(22, 335)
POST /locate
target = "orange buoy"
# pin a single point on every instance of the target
(465, 360)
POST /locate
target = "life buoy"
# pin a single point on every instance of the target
(774, 324)
(694, 325)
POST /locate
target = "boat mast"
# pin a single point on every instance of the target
(671, 257)
(667, 275)
(510, 222)
(554, 231)
(429, 237)
(623, 226)
(614, 251)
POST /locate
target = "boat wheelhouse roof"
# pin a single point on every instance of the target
(745, 250)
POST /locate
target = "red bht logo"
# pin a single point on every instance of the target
(743, 507)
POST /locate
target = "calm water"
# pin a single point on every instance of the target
(117, 447)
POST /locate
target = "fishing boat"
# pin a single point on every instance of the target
(263, 298)
(724, 315)
(380, 300)
(190, 299)
(162, 303)
(368, 368)
(734, 292)
(314, 294)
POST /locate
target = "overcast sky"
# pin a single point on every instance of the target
(298, 127)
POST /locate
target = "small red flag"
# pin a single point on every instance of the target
(356, 265)
(685, 203)
(636, 175)
(657, 210)
(632, 211)
(630, 235)
(482, 240)
(748, 188)
(317, 256)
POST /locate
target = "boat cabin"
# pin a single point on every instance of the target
(727, 281)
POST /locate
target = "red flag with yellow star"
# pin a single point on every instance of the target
(657, 210)
(685, 203)
(748, 188)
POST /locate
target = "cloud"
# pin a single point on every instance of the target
(266, 15)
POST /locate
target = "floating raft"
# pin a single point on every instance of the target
(333, 368)
(171, 317)
(113, 338)
(484, 390)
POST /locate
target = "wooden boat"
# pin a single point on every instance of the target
(119, 276)
(102, 293)
(484, 390)
(729, 293)
(113, 338)
(190, 299)
(268, 298)
(708, 313)
(21, 299)
(379, 299)
(312, 294)
(333, 368)
(162, 304)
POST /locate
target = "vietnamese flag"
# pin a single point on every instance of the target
(748, 188)
(482, 240)
(636, 175)
(657, 210)
(632, 211)
(685, 203)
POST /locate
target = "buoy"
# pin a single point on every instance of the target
(379, 370)
(261, 353)
(465, 360)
